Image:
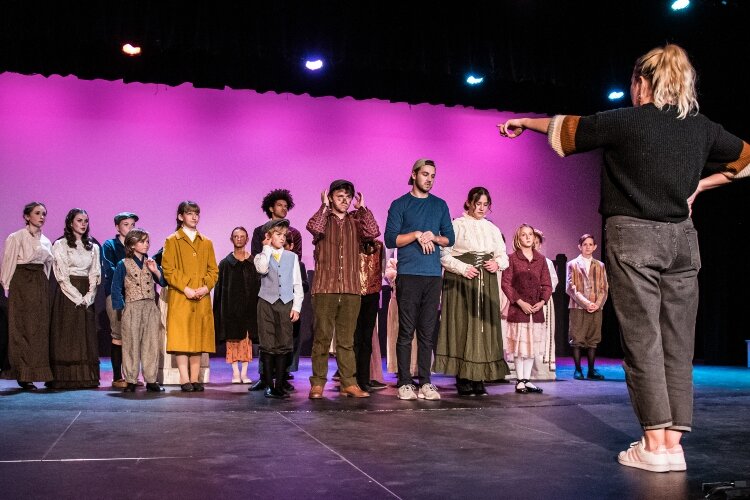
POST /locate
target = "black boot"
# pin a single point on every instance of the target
(268, 361)
(280, 362)
(287, 376)
(260, 385)
(464, 387)
(478, 388)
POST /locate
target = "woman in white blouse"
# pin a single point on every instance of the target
(25, 274)
(74, 352)
(470, 344)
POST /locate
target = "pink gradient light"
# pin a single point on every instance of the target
(109, 147)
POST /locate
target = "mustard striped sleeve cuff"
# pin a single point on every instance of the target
(739, 166)
(561, 134)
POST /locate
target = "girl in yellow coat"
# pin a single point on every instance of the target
(189, 266)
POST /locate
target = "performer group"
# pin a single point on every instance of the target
(453, 280)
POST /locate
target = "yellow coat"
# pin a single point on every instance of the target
(190, 323)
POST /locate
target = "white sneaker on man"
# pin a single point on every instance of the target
(637, 456)
(406, 392)
(429, 392)
(676, 458)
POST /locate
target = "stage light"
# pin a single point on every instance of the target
(131, 50)
(616, 95)
(680, 4)
(314, 65)
(473, 80)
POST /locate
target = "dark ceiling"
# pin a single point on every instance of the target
(535, 55)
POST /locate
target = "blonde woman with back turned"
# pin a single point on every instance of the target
(654, 154)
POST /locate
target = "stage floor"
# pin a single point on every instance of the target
(227, 442)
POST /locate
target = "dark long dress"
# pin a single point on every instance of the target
(28, 325)
(234, 296)
(74, 348)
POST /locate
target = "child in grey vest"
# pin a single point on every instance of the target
(279, 305)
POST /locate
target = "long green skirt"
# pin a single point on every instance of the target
(470, 342)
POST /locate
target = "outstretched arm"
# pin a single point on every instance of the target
(515, 126)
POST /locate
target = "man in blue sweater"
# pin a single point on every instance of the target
(418, 224)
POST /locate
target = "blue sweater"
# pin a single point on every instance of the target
(409, 213)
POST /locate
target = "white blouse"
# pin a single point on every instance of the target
(76, 262)
(473, 235)
(22, 247)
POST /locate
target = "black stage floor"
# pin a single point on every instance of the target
(226, 442)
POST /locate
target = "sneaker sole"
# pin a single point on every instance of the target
(645, 466)
(422, 396)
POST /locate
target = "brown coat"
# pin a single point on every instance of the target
(190, 323)
(586, 288)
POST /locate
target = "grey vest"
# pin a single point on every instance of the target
(278, 282)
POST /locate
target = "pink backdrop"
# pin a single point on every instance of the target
(109, 147)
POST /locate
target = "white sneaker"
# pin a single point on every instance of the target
(676, 458)
(637, 456)
(429, 392)
(406, 392)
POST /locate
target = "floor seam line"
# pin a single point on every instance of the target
(61, 436)
(342, 457)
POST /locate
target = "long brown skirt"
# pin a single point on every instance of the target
(73, 347)
(28, 325)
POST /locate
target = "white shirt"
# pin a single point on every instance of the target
(22, 247)
(76, 262)
(473, 235)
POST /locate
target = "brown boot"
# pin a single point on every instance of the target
(316, 392)
(354, 391)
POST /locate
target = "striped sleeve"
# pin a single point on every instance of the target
(561, 134)
(739, 166)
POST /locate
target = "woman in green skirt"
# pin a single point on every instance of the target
(470, 344)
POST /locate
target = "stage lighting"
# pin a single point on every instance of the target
(473, 80)
(314, 65)
(131, 50)
(616, 95)
(680, 4)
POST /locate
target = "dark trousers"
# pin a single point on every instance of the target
(653, 269)
(368, 313)
(296, 343)
(274, 327)
(418, 300)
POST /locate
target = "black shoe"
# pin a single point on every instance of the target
(521, 390)
(287, 387)
(154, 387)
(289, 376)
(593, 374)
(187, 387)
(258, 386)
(478, 388)
(27, 386)
(376, 386)
(274, 394)
(464, 387)
(365, 387)
(197, 387)
(533, 389)
(129, 388)
(578, 374)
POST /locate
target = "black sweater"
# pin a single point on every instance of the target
(652, 159)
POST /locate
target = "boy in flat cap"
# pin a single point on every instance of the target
(113, 251)
(337, 236)
(279, 304)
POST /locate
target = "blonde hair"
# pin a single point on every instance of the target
(672, 78)
(517, 236)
